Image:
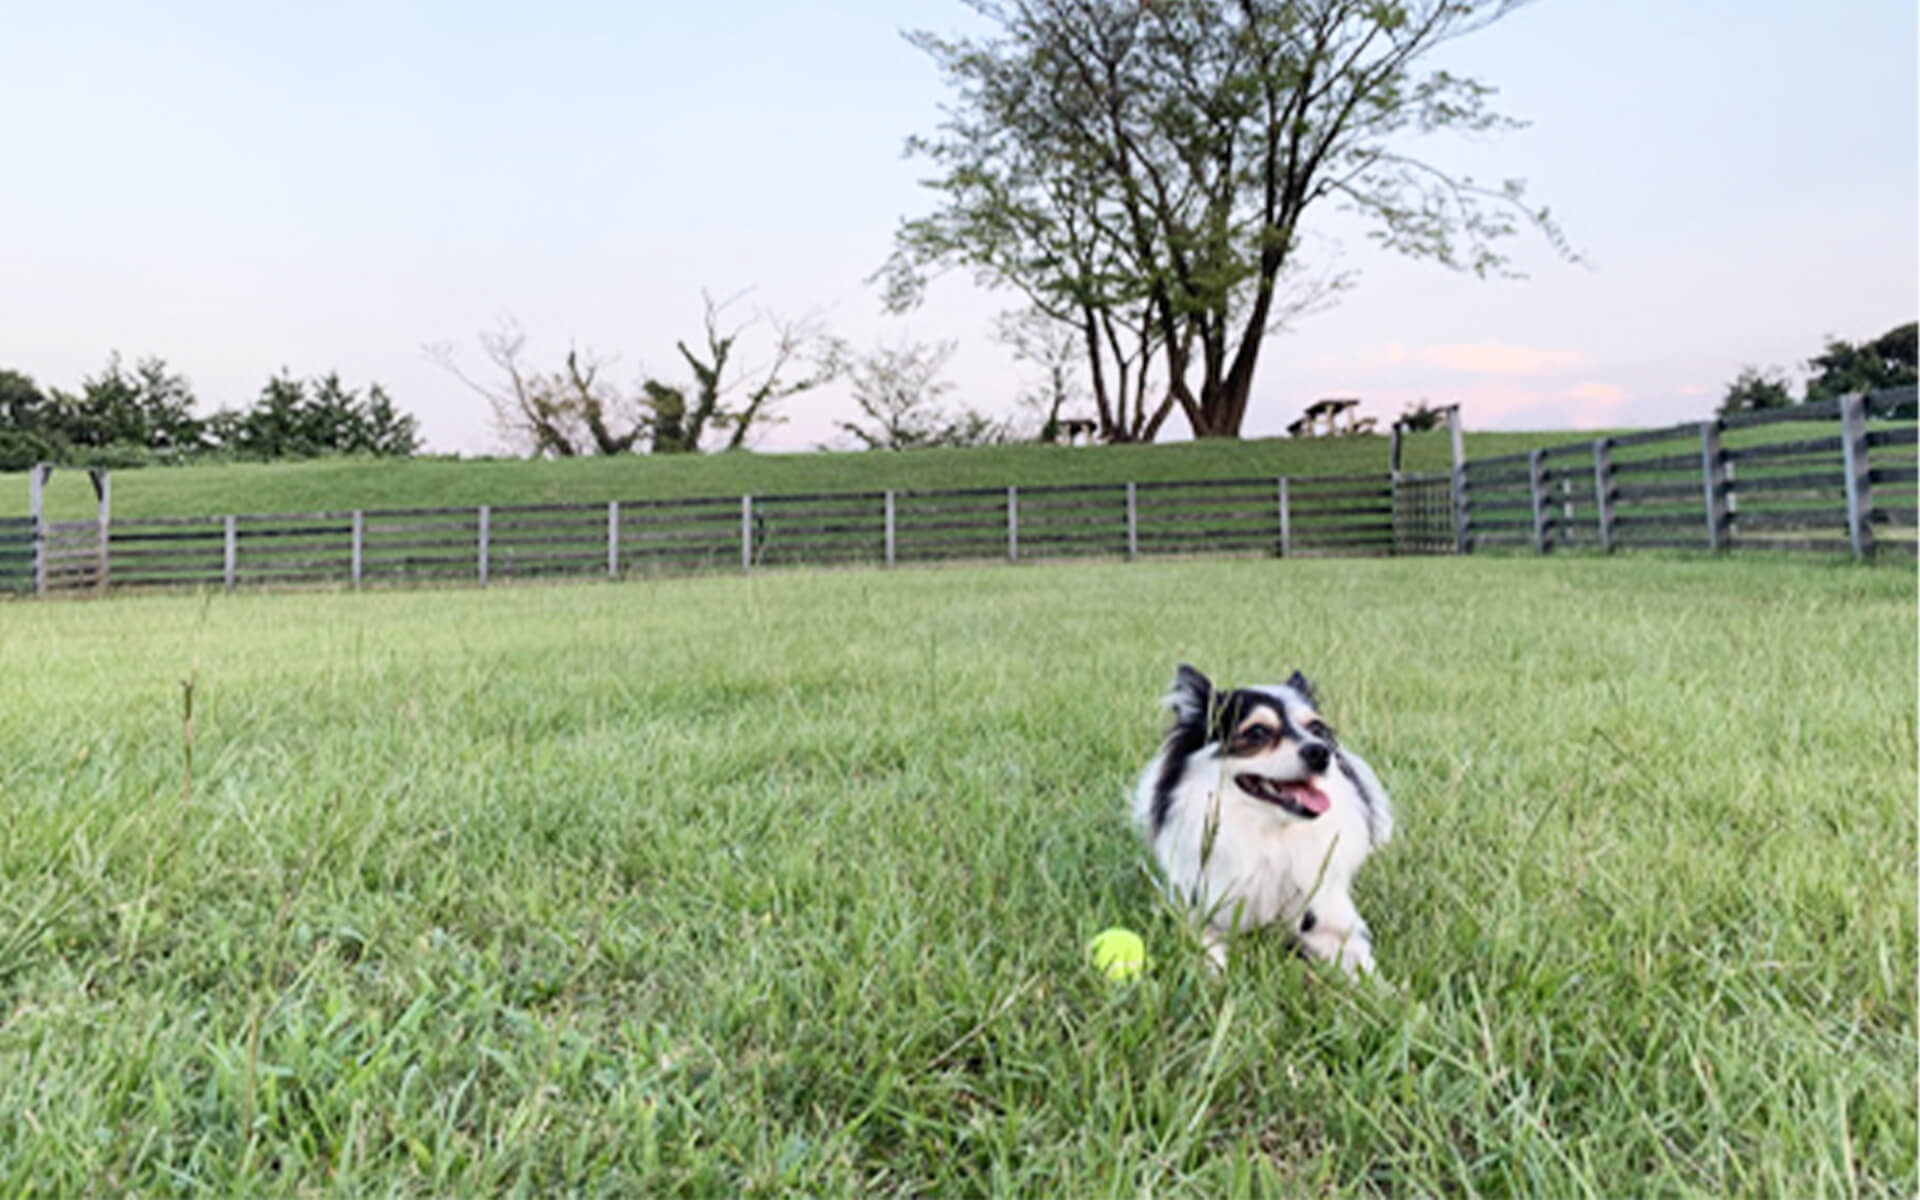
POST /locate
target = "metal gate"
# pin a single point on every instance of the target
(1423, 515)
(73, 556)
(16, 554)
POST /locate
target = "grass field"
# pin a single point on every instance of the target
(780, 884)
(340, 484)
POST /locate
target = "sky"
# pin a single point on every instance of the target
(248, 188)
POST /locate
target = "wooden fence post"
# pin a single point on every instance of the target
(1286, 518)
(613, 539)
(1603, 490)
(1133, 521)
(36, 508)
(1393, 488)
(102, 481)
(230, 550)
(746, 532)
(1462, 510)
(1537, 490)
(1013, 523)
(1853, 458)
(1395, 514)
(359, 547)
(891, 528)
(1713, 480)
(486, 531)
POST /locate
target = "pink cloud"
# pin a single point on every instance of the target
(1493, 358)
(1596, 405)
(1493, 407)
(1583, 406)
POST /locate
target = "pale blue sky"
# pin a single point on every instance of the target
(249, 186)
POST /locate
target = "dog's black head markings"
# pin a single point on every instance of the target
(1271, 742)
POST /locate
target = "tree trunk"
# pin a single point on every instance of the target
(1109, 428)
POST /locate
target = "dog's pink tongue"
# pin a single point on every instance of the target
(1307, 796)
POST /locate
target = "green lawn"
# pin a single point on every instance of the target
(340, 484)
(781, 883)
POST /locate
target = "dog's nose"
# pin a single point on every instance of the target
(1315, 755)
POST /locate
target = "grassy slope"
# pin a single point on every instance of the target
(781, 883)
(339, 484)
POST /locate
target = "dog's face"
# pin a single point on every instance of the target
(1271, 741)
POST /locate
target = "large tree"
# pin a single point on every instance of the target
(295, 419)
(1886, 361)
(29, 430)
(1754, 389)
(22, 404)
(1140, 170)
(148, 407)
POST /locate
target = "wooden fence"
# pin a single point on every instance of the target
(1818, 477)
(1836, 477)
(1359, 514)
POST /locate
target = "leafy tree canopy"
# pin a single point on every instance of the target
(1753, 389)
(1141, 172)
(1842, 367)
(149, 407)
(292, 419)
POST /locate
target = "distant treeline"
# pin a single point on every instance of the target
(144, 415)
(1888, 361)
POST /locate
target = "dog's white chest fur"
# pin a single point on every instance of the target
(1253, 829)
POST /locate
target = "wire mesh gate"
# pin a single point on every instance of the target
(1423, 515)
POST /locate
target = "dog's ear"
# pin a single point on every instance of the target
(1300, 683)
(1191, 697)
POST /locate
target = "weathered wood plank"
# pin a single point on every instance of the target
(1792, 413)
(1828, 447)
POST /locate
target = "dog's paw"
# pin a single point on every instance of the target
(1215, 943)
(1348, 946)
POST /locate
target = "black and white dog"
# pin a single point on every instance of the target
(1257, 815)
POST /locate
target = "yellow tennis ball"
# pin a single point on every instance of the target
(1118, 953)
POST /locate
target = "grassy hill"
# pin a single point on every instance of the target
(347, 483)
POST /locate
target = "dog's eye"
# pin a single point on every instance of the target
(1319, 729)
(1257, 735)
